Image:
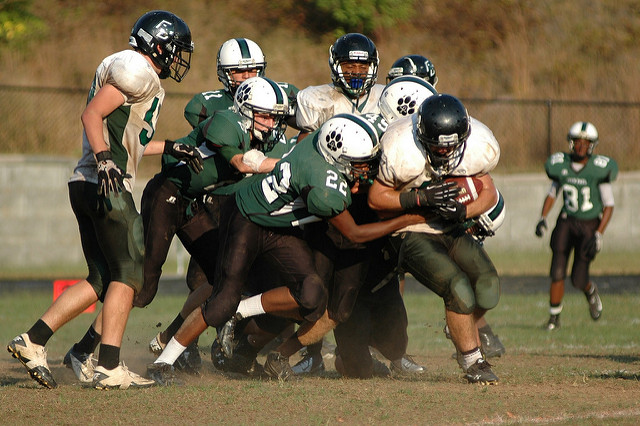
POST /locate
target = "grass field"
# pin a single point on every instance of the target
(585, 373)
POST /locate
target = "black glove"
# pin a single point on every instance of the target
(594, 245)
(541, 226)
(452, 211)
(188, 154)
(433, 195)
(109, 175)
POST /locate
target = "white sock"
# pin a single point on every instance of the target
(171, 352)
(251, 306)
(469, 359)
(555, 310)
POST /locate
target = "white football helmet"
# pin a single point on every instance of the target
(403, 95)
(262, 95)
(351, 144)
(239, 54)
(583, 130)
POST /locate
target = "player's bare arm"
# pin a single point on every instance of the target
(105, 101)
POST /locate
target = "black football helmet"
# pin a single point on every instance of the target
(353, 47)
(166, 39)
(416, 65)
(443, 127)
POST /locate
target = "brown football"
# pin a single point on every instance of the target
(470, 188)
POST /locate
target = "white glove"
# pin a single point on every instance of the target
(253, 159)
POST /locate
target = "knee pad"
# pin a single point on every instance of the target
(312, 298)
(488, 291)
(219, 308)
(461, 297)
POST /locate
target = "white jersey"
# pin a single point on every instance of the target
(129, 128)
(317, 104)
(404, 164)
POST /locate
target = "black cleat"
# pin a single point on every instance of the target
(595, 304)
(481, 373)
(163, 374)
(277, 367)
(553, 323)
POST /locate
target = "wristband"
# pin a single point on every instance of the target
(103, 156)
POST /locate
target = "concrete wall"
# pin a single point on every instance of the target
(38, 229)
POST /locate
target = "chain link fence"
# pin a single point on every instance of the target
(46, 121)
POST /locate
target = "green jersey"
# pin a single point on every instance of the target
(218, 139)
(203, 105)
(580, 189)
(302, 188)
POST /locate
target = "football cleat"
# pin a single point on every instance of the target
(156, 345)
(119, 378)
(595, 304)
(553, 323)
(34, 358)
(406, 366)
(491, 345)
(310, 364)
(82, 364)
(162, 373)
(481, 373)
(226, 334)
(277, 367)
(189, 361)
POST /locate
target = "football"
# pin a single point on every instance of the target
(470, 188)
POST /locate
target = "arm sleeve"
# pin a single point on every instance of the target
(554, 189)
(606, 194)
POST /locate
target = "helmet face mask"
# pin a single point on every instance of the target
(166, 39)
(443, 127)
(582, 130)
(350, 143)
(416, 65)
(260, 96)
(403, 96)
(353, 48)
(239, 54)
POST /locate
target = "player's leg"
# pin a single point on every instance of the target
(580, 269)
(119, 232)
(561, 248)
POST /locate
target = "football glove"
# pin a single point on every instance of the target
(110, 178)
(541, 226)
(452, 211)
(433, 195)
(189, 154)
(594, 245)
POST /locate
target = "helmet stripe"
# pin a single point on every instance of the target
(364, 124)
(277, 90)
(244, 48)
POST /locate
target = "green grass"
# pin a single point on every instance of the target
(584, 373)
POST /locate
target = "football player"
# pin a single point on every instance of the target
(416, 65)
(314, 181)
(586, 183)
(119, 121)
(238, 59)
(419, 151)
(353, 60)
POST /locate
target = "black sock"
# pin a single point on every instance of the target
(173, 328)
(40, 333)
(89, 342)
(109, 357)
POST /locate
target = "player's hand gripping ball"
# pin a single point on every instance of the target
(470, 188)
